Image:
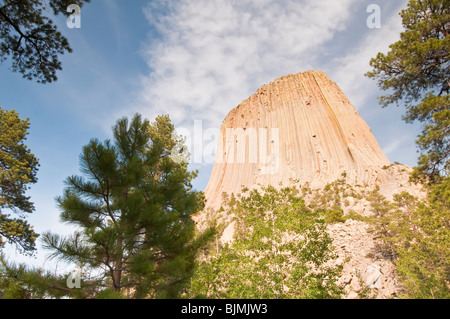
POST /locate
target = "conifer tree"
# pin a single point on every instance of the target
(20, 281)
(18, 169)
(424, 255)
(416, 72)
(30, 39)
(415, 235)
(133, 208)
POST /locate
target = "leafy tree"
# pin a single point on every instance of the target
(18, 168)
(423, 260)
(416, 72)
(281, 250)
(30, 38)
(415, 234)
(133, 210)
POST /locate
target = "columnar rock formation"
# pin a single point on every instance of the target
(299, 127)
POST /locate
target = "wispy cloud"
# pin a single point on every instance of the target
(212, 54)
(112, 11)
(206, 56)
(397, 143)
(348, 70)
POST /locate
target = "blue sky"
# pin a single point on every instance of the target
(194, 60)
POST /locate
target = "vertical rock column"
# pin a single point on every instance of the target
(299, 127)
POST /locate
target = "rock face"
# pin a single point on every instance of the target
(299, 127)
(302, 129)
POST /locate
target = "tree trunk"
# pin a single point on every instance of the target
(117, 267)
(117, 275)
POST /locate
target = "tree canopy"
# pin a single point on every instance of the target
(281, 249)
(18, 169)
(133, 210)
(30, 39)
(416, 73)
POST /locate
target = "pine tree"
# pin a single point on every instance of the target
(30, 38)
(18, 169)
(133, 209)
(416, 72)
(423, 260)
(19, 281)
(415, 234)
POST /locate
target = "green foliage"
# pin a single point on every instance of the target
(434, 141)
(424, 257)
(280, 250)
(133, 209)
(19, 232)
(355, 216)
(30, 38)
(109, 293)
(386, 222)
(332, 196)
(334, 215)
(416, 236)
(413, 233)
(18, 168)
(416, 72)
(22, 282)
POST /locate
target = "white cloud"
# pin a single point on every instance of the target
(209, 55)
(212, 54)
(396, 143)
